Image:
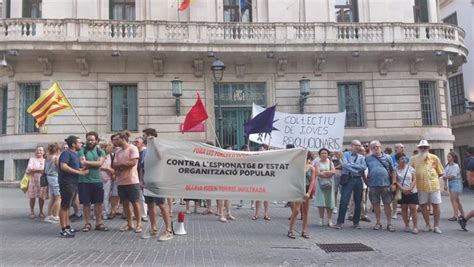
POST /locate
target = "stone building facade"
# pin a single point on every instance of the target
(461, 80)
(115, 60)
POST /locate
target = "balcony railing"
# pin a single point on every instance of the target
(79, 30)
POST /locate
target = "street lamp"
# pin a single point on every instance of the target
(218, 68)
(177, 89)
(304, 92)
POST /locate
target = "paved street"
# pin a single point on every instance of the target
(243, 242)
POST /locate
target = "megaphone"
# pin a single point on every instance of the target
(179, 225)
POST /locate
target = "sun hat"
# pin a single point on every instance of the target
(423, 143)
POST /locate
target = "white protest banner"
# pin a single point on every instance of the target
(179, 168)
(313, 131)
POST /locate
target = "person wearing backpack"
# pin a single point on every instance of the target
(382, 181)
(91, 189)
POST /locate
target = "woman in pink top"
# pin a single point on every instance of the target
(126, 174)
(35, 170)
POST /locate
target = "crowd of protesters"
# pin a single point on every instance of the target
(97, 177)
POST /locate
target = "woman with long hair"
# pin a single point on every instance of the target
(452, 179)
(51, 168)
(35, 190)
(310, 174)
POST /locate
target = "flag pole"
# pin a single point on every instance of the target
(269, 141)
(215, 133)
(72, 107)
(177, 9)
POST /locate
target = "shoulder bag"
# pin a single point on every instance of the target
(25, 182)
(44, 178)
(345, 177)
(325, 183)
(389, 169)
(398, 194)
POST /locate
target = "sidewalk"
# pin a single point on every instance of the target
(244, 242)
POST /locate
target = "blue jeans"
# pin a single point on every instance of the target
(353, 185)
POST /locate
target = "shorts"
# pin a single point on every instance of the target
(156, 200)
(433, 197)
(114, 189)
(337, 181)
(68, 194)
(91, 193)
(455, 186)
(380, 193)
(129, 192)
(53, 185)
(409, 199)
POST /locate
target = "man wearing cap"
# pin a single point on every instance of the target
(428, 169)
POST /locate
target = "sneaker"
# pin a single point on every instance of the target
(462, 222)
(338, 226)
(222, 219)
(321, 223)
(230, 217)
(414, 231)
(407, 229)
(145, 218)
(334, 211)
(188, 212)
(437, 230)
(71, 230)
(366, 219)
(330, 224)
(428, 228)
(75, 218)
(66, 234)
(453, 219)
(49, 219)
(149, 234)
(394, 217)
(356, 226)
(167, 235)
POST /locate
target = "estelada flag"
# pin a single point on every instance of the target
(49, 104)
(184, 4)
(262, 123)
(195, 116)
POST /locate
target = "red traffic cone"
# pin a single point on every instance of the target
(179, 226)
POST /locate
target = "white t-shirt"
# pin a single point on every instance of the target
(453, 170)
(408, 179)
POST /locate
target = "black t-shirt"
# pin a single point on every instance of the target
(71, 158)
(469, 164)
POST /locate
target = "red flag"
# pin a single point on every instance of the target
(184, 4)
(195, 116)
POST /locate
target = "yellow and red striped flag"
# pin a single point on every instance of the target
(49, 104)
